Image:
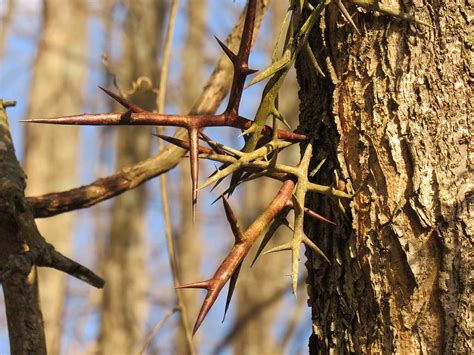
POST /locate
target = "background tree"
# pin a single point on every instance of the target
(60, 59)
(123, 318)
(189, 242)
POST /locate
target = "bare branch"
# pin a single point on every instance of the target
(130, 177)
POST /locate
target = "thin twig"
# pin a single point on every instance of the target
(160, 99)
(156, 329)
(160, 104)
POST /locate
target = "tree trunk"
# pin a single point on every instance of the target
(25, 321)
(51, 152)
(125, 269)
(189, 241)
(6, 20)
(391, 118)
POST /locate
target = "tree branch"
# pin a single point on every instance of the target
(216, 88)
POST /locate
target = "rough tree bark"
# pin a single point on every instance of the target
(51, 153)
(392, 116)
(25, 321)
(123, 303)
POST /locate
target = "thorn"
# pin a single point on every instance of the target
(346, 15)
(272, 69)
(269, 234)
(315, 248)
(313, 60)
(122, 101)
(217, 183)
(194, 161)
(234, 225)
(248, 71)
(274, 111)
(233, 282)
(311, 213)
(182, 143)
(211, 297)
(234, 182)
(126, 117)
(283, 247)
(231, 55)
(211, 143)
(315, 170)
(217, 199)
(201, 284)
(248, 131)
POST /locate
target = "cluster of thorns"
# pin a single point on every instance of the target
(258, 158)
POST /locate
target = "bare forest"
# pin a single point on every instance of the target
(236, 177)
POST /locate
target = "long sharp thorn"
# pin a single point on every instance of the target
(182, 143)
(217, 199)
(201, 284)
(268, 235)
(217, 184)
(233, 282)
(234, 224)
(206, 306)
(81, 119)
(346, 15)
(194, 161)
(283, 247)
(271, 70)
(315, 248)
(212, 144)
(122, 101)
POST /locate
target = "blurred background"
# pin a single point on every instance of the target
(53, 54)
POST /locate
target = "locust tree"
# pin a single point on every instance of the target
(381, 192)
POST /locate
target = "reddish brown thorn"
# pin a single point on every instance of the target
(231, 55)
(183, 144)
(126, 117)
(248, 71)
(232, 283)
(213, 288)
(201, 284)
(238, 253)
(211, 297)
(194, 162)
(216, 147)
(311, 213)
(280, 220)
(122, 101)
(234, 224)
